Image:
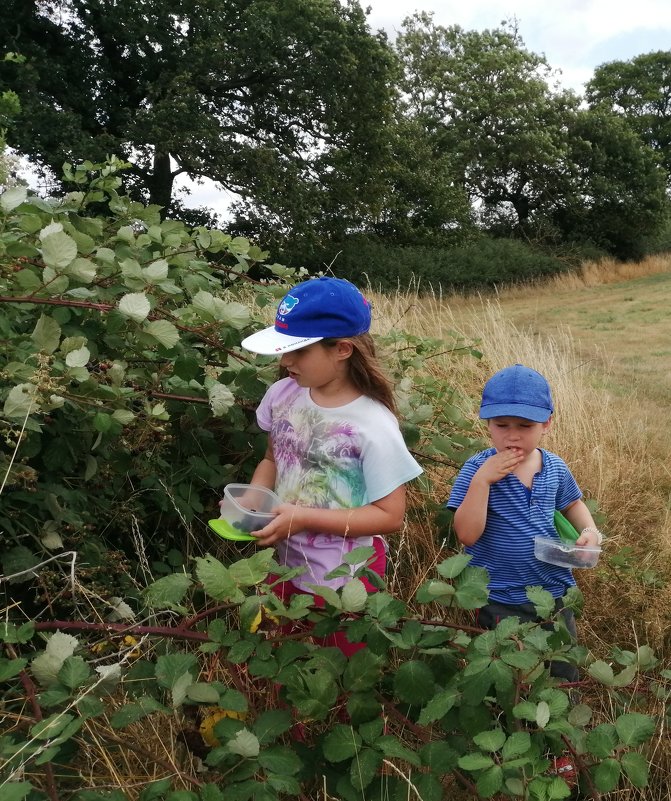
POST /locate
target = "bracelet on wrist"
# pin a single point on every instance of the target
(594, 530)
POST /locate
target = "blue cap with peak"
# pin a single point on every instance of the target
(517, 391)
(316, 309)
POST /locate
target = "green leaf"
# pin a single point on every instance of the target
(131, 713)
(414, 682)
(635, 768)
(21, 401)
(602, 740)
(9, 668)
(16, 791)
(341, 743)
(155, 790)
(439, 757)
(46, 666)
(491, 740)
(471, 586)
(51, 727)
(454, 566)
(634, 729)
(475, 761)
(490, 782)
(392, 748)
(359, 555)
(170, 668)
(439, 706)
(542, 600)
(168, 592)
(603, 672)
(10, 199)
(135, 306)
(607, 775)
(222, 400)
(280, 759)
(364, 768)
(74, 672)
(329, 595)
(163, 332)
(46, 334)
(272, 723)
(580, 715)
(542, 714)
(245, 744)
(517, 744)
(252, 571)
(354, 596)
(58, 250)
(203, 693)
(217, 580)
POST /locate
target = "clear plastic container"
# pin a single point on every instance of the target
(245, 508)
(565, 554)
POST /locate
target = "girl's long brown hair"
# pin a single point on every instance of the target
(366, 371)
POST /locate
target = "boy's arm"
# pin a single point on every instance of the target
(580, 516)
(470, 517)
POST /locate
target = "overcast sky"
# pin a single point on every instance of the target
(575, 35)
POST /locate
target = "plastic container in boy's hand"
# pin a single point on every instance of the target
(245, 508)
(564, 553)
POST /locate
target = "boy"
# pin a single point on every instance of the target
(506, 495)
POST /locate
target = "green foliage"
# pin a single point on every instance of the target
(482, 262)
(255, 96)
(481, 706)
(638, 90)
(126, 404)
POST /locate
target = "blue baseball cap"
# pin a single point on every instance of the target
(316, 309)
(517, 391)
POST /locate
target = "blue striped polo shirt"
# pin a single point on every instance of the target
(515, 515)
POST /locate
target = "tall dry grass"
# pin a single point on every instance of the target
(613, 445)
(619, 454)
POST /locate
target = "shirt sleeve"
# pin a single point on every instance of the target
(568, 491)
(387, 462)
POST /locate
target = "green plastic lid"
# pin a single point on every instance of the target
(224, 529)
(564, 528)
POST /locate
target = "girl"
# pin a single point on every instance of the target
(335, 456)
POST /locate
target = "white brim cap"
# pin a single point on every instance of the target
(270, 342)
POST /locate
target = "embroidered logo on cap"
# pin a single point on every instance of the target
(287, 304)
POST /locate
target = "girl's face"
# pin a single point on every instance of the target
(318, 365)
(516, 432)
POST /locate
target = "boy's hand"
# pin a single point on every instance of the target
(288, 520)
(500, 465)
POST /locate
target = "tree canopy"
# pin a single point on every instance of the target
(486, 100)
(639, 90)
(266, 98)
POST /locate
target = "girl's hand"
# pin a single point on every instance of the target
(500, 464)
(288, 520)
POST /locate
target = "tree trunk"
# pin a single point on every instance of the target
(160, 182)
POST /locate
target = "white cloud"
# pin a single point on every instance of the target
(574, 35)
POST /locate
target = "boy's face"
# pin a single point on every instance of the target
(516, 433)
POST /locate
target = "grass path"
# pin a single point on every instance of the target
(626, 324)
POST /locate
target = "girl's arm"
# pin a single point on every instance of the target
(580, 516)
(380, 517)
(265, 473)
